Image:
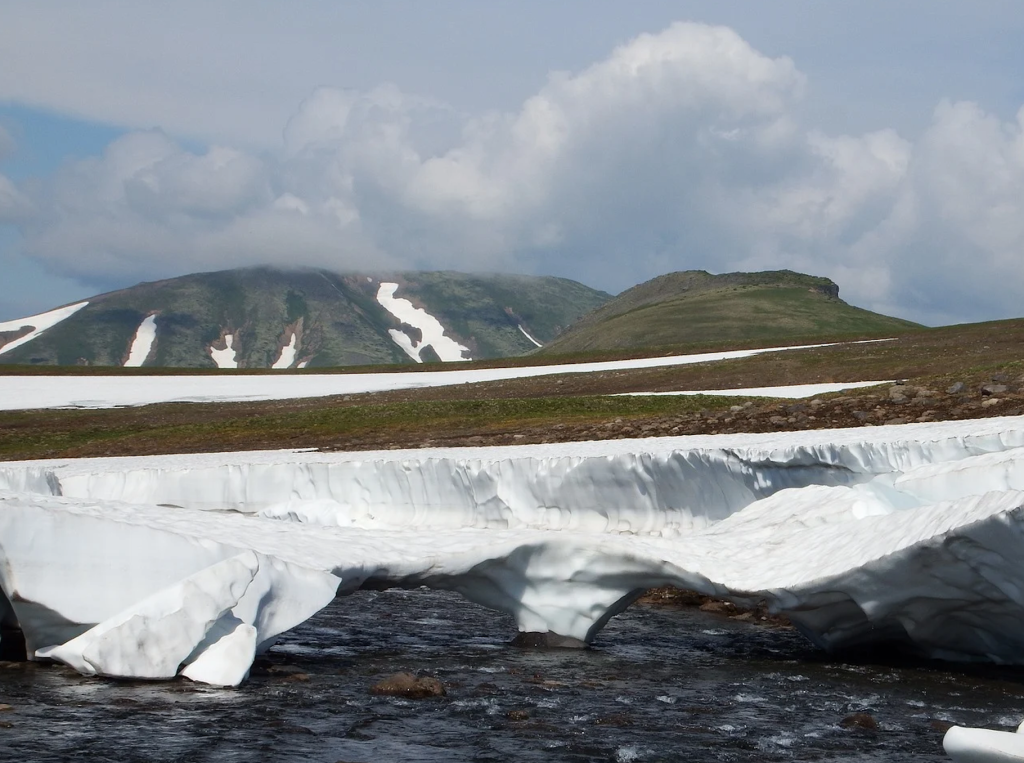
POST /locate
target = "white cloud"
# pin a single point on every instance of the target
(6, 144)
(220, 182)
(623, 151)
(14, 205)
(955, 242)
(150, 208)
(682, 149)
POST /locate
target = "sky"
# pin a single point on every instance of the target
(879, 144)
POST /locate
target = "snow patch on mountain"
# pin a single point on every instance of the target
(408, 346)
(142, 342)
(432, 331)
(39, 324)
(287, 356)
(227, 357)
(527, 335)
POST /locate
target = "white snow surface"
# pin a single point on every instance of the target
(968, 745)
(22, 392)
(39, 324)
(142, 342)
(792, 391)
(226, 358)
(191, 564)
(287, 356)
(408, 346)
(527, 335)
(432, 331)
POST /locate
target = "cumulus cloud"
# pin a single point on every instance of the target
(681, 149)
(616, 153)
(150, 208)
(955, 240)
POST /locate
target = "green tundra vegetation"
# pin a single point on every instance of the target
(697, 307)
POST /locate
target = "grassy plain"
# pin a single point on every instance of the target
(363, 420)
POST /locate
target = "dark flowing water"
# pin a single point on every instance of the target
(660, 685)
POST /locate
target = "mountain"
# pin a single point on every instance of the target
(695, 306)
(265, 317)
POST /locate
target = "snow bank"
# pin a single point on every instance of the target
(431, 330)
(967, 745)
(39, 324)
(153, 638)
(142, 342)
(155, 566)
(661, 485)
(21, 392)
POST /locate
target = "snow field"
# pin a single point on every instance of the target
(791, 391)
(22, 393)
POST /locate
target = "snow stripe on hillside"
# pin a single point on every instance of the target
(792, 391)
(39, 324)
(447, 349)
(530, 337)
(22, 392)
(287, 356)
(142, 343)
(402, 340)
(226, 358)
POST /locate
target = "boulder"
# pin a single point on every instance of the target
(859, 721)
(408, 686)
(548, 640)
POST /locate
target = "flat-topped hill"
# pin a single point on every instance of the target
(695, 306)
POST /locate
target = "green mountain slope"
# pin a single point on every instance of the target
(328, 319)
(695, 307)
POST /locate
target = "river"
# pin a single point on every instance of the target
(660, 684)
